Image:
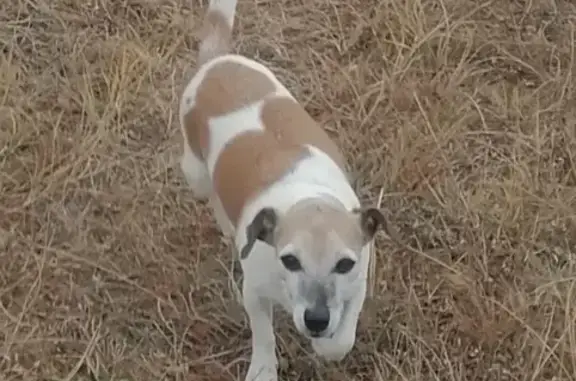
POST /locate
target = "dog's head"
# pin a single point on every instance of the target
(322, 257)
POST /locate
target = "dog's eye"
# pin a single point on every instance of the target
(344, 266)
(291, 262)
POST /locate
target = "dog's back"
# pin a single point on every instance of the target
(245, 126)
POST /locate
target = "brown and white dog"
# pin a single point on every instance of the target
(278, 185)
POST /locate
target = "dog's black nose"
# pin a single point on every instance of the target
(317, 319)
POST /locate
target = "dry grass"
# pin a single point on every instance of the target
(462, 111)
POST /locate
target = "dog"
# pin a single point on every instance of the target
(278, 187)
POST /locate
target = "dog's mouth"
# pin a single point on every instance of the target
(316, 335)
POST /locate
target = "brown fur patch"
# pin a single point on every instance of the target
(290, 122)
(226, 87)
(251, 162)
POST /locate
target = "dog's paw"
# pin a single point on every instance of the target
(334, 348)
(262, 369)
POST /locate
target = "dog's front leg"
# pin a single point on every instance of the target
(263, 362)
(220, 216)
(337, 347)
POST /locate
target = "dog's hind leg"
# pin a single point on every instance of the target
(220, 216)
(263, 362)
(196, 173)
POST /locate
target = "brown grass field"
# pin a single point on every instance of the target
(459, 114)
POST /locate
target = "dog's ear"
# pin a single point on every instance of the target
(261, 228)
(370, 220)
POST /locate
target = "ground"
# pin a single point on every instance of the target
(459, 114)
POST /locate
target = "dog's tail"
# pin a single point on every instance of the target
(216, 33)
